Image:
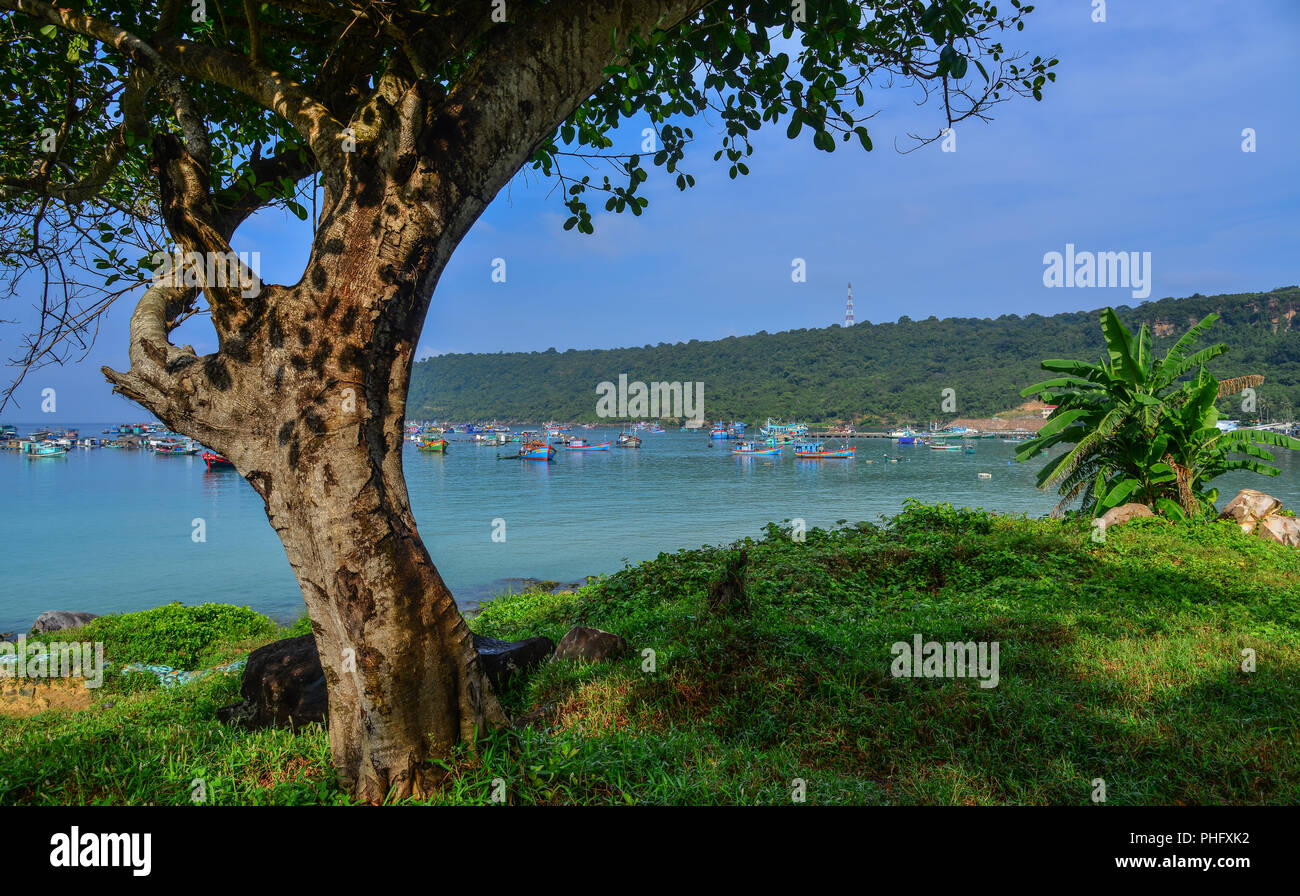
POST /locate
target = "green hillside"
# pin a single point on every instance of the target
(870, 373)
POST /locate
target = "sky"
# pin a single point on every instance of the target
(1137, 147)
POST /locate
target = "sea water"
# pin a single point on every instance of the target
(113, 530)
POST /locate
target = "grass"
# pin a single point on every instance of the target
(1118, 660)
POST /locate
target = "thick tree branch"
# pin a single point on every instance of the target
(522, 84)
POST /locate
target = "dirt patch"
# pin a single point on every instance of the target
(20, 697)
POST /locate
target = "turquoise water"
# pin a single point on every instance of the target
(110, 530)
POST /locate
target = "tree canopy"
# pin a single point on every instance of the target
(97, 95)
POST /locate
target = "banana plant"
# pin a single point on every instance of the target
(1136, 429)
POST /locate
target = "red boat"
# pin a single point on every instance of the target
(213, 459)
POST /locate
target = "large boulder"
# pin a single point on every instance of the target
(1249, 508)
(503, 660)
(1123, 513)
(54, 620)
(1282, 529)
(284, 683)
(590, 645)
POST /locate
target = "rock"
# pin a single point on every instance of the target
(284, 684)
(1248, 508)
(590, 645)
(1123, 513)
(1282, 529)
(503, 660)
(54, 620)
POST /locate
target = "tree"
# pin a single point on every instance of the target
(1139, 431)
(138, 127)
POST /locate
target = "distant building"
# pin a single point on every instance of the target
(848, 308)
(1047, 410)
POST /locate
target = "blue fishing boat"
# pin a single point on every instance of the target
(35, 450)
(581, 445)
(815, 451)
(753, 449)
(536, 451)
(792, 430)
(719, 432)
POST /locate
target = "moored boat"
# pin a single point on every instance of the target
(790, 430)
(34, 450)
(435, 446)
(536, 451)
(177, 446)
(749, 449)
(215, 461)
(628, 440)
(581, 445)
(815, 450)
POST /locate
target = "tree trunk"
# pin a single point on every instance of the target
(307, 392)
(405, 683)
(331, 366)
(307, 398)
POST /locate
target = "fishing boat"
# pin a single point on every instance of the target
(940, 445)
(35, 450)
(215, 461)
(174, 446)
(536, 451)
(815, 450)
(628, 440)
(753, 449)
(654, 429)
(793, 430)
(436, 446)
(582, 445)
(719, 432)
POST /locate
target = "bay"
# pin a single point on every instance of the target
(110, 530)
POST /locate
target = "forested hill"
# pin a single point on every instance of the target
(870, 373)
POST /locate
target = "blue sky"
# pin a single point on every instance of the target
(1136, 147)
